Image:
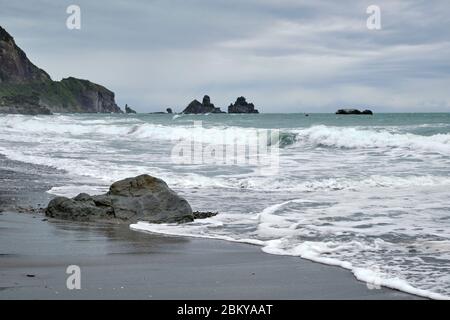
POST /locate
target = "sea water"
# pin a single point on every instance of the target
(367, 193)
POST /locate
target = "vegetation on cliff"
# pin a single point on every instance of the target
(27, 89)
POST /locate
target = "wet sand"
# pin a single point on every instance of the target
(117, 263)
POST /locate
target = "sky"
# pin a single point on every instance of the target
(282, 55)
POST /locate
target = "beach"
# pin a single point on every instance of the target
(224, 150)
(369, 195)
(117, 263)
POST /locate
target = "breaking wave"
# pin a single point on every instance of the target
(315, 136)
(361, 197)
(355, 138)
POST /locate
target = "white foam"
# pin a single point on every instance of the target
(130, 129)
(278, 234)
(340, 137)
(313, 251)
(73, 190)
(371, 277)
(335, 184)
(353, 138)
(340, 194)
(172, 230)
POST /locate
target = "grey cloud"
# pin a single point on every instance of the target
(291, 55)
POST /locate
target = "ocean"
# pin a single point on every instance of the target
(367, 193)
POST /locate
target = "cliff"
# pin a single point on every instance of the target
(27, 89)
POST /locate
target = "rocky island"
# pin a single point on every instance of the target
(242, 106)
(354, 111)
(129, 110)
(27, 89)
(195, 107)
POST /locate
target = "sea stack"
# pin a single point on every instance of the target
(354, 111)
(242, 106)
(195, 107)
(129, 110)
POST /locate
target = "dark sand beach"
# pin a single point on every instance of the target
(117, 263)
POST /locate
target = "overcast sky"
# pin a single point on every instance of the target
(285, 56)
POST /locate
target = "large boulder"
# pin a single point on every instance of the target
(142, 198)
(195, 107)
(242, 106)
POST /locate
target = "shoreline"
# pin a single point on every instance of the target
(118, 263)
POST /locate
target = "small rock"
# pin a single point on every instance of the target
(204, 215)
(128, 109)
